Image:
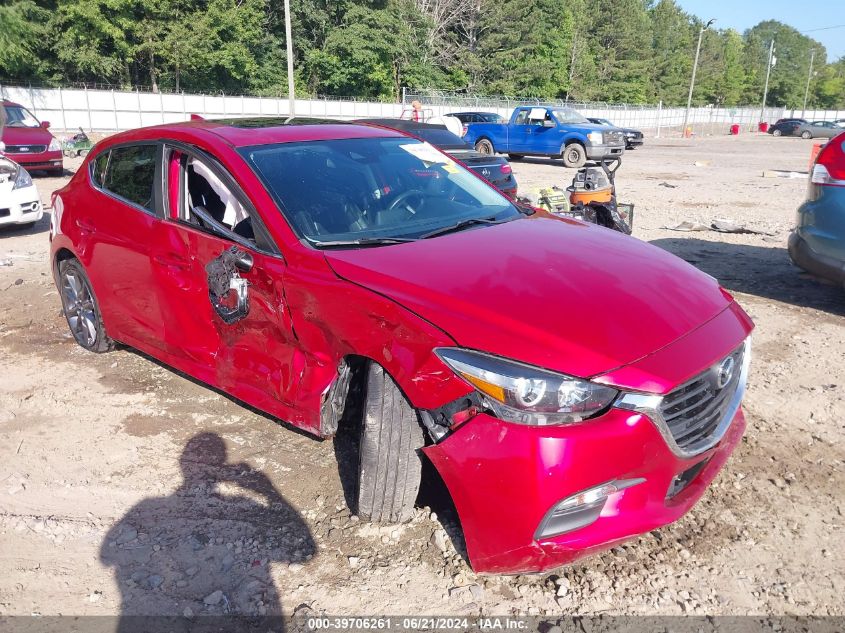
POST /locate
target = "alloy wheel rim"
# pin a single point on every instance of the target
(79, 309)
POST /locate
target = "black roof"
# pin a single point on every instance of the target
(404, 125)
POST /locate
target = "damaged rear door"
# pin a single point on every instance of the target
(221, 285)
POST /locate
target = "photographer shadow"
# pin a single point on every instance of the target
(207, 548)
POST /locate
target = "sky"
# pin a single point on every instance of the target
(804, 15)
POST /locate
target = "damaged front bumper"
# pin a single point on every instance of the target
(507, 479)
(532, 498)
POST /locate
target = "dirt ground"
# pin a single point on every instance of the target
(127, 488)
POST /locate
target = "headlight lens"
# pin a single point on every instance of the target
(525, 394)
(596, 138)
(22, 179)
(55, 146)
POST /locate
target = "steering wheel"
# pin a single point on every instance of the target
(402, 197)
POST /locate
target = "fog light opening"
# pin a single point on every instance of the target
(580, 509)
(683, 480)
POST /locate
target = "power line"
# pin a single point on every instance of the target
(824, 28)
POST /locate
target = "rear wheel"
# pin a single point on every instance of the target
(484, 147)
(776, 132)
(574, 155)
(80, 307)
(389, 465)
(806, 134)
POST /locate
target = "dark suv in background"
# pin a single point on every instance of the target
(785, 127)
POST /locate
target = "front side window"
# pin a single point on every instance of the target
(373, 188)
(521, 118)
(18, 116)
(208, 200)
(131, 174)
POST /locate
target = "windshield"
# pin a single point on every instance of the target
(372, 189)
(18, 116)
(565, 115)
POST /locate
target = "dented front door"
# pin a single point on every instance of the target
(248, 354)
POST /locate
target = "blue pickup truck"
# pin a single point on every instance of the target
(547, 131)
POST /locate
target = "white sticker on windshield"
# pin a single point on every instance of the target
(426, 153)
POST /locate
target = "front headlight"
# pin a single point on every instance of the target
(55, 146)
(596, 138)
(524, 394)
(22, 179)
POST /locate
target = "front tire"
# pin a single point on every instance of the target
(806, 134)
(484, 147)
(573, 155)
(389, 466)
(776, 132)
(81, 309)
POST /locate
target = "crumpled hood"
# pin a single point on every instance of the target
(560, 294)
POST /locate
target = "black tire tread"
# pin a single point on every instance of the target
(583, 160)
(389, 465)
(103, 343)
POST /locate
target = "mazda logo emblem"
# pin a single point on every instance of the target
(725, 372)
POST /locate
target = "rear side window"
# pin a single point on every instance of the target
(131, 174)
(98, 168)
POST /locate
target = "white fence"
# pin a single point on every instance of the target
(112, 110)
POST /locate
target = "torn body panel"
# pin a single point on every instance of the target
(335, 319)
(504, 479)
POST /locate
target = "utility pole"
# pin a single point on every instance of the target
(809, 76)
(694, 69)
(289, 38)
(768, 72)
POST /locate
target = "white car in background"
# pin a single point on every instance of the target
(20, 203)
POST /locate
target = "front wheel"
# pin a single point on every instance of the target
(574, 155)
(484, 147)
(81, 309)
(389, 466)
(806, 134)
(776, 132)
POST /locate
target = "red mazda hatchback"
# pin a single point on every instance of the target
(573, 386)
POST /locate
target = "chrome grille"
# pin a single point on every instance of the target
(694, 411)
(614, 138)
(25, 149)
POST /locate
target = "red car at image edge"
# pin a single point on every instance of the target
(574, 387)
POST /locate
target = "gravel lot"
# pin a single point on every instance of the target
(127, 488)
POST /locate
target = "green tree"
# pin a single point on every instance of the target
(788, 76)
(672, 49)
(621, 40)
(23, 35)
(531, 55)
